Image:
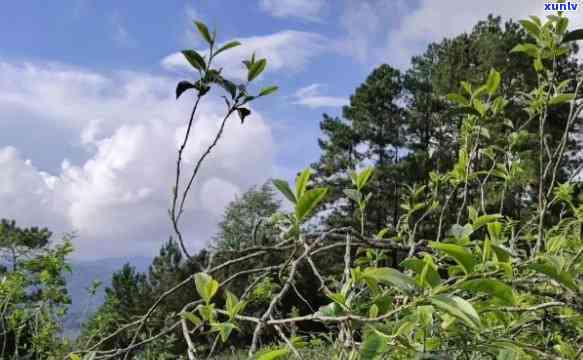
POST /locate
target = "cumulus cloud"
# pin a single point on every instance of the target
(116, 201)
(285, 51)
(306, 9)
(433, 20)
(310, 96)
(394, 31)
(366, 23)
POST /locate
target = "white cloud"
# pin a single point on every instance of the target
(310, 96)
(379, 31)
(366, 22)
(306, 9)
(117, 200)
(285, 51)
(433, 20)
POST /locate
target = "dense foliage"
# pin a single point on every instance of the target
(442, 221)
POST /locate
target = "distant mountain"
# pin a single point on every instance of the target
(80, 280)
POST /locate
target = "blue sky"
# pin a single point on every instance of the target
(89, 126)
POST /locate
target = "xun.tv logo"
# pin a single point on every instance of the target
(562, 6)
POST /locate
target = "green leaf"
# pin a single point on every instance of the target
(182, 87)
(485, 220)
(273, 354)
(461, 232)
(390, 276)
(206, 286)
(491, 287)
(207, 312)
(195, 320)
(74, 357)
(338, 298)
(353, 195)
(458, 99)
(573, 35)
(194, 59)
(458, 253)
(224, 329)
(243, 113)
(555, 273)
(204, 32)
(459, 308)
(331, 310)
(502, 254)
(531, 27)
(256, 69)
(529, 49)
(426, 273)
(234, 306)
(562, 98)
(268, 90)
(363, 178)
(493, 82)
(308, 202)
(373, 346)
(302, 182)
(284, 188)
(227, 46)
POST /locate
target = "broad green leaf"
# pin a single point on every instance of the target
(206, 286)
(234, 306)
(207, 312)
(353, 195)
(308, 202)
(459, 308)
(467, 87)
(224, 329)
(373, 346)
(373, 311)
(573, 35)
(502, 254)
(195, 320)
(337, 298)
(91, 356)
(485, 220)
(390, 276)
(268, 90)
(302, 182)
(493, 82)
(227, 46)
(532, 28)
(363, 177)
(74, 357)
(284, 188)
(204, 32)
(425, 315)
(426, 273)
(331, 310)
(491, 287)
(194, 59)
(273, 354)
(256, 69)
(479, 106)
(560, 99)
(552, 271)
(458, 253)
(529, 49)
(182, 87)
